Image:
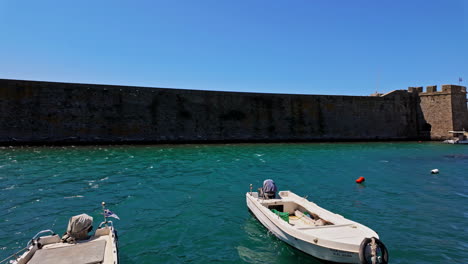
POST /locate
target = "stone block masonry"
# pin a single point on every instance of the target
(445, 110)
(34, 112)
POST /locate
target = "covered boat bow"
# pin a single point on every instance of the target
(75, 246)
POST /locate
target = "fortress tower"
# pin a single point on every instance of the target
(444, 110)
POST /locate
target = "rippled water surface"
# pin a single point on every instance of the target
(186, 203)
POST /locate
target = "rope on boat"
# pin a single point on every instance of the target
(14, 255)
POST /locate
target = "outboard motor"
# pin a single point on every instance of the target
(373, 251)
(269, 189)
(78, 228)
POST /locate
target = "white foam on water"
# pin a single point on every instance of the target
(74, 196)
(461, 194)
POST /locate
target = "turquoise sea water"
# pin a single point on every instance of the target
(186, 203)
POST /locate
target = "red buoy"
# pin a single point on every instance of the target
(360, 179)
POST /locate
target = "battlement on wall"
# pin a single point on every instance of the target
(432, 89)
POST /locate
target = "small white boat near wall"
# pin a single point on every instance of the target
(459, 137)
(75, 246)
(316, 231)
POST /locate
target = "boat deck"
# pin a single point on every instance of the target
(321, 223)
(61, 253)
(98, 249)
(346, 233)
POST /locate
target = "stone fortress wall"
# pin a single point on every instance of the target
(35, 112)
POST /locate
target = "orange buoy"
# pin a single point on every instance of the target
(360, 179)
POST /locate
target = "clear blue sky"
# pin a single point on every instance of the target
(278, 46)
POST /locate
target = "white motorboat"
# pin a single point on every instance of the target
(75, 246)
(316, 231)
(455, 141)
(459, 137)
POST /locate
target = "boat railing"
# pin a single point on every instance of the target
(39, 233)
(14, 256)
(105, 223)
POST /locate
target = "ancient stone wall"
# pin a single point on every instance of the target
(444, 110)
(48, 112)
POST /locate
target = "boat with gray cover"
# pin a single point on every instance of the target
(76, 246)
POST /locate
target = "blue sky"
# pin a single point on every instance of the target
(275, 46)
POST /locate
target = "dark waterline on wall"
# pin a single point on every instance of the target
(220, 142)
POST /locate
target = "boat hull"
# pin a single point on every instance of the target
(317, 251)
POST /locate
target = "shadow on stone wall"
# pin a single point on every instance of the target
(424, 128)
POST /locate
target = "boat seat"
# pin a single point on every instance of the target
(82, 253)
